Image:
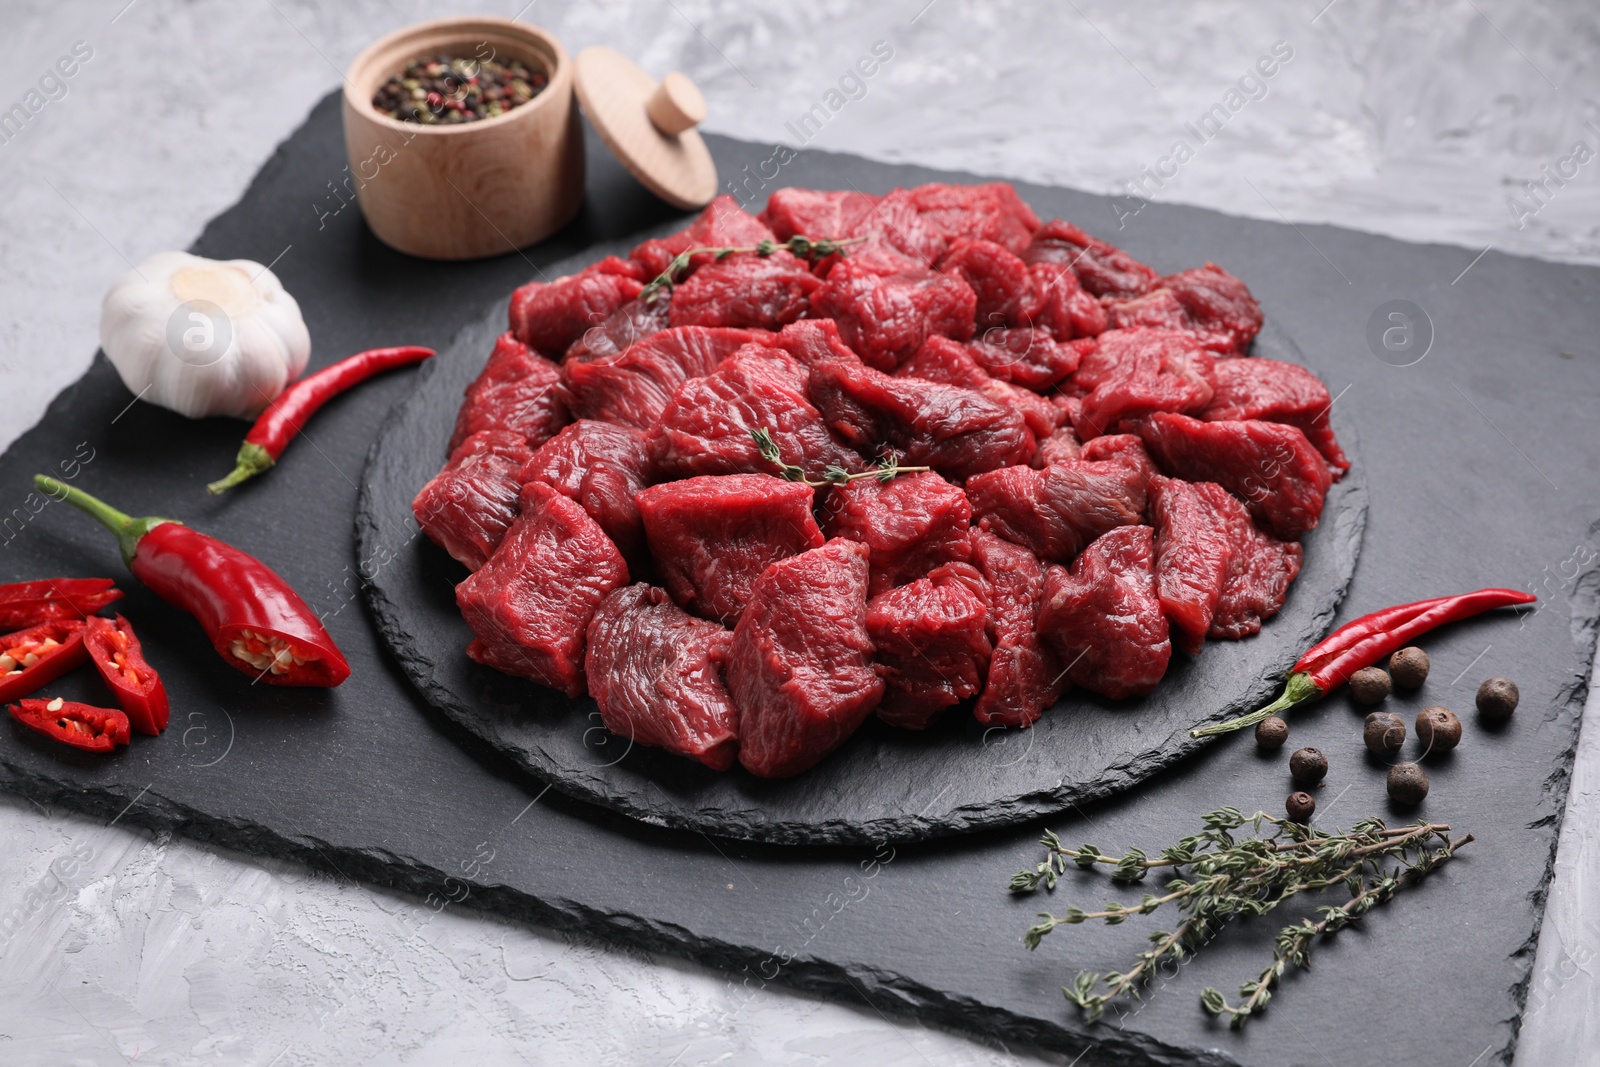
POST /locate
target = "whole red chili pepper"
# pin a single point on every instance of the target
(1363, 642)
(119, 659)
(25, 603)
(79, 725)
(256, 622)
(39, 655)
(284, 417)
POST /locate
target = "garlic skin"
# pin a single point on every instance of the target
(202, 336)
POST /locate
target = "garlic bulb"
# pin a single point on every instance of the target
(203, 337)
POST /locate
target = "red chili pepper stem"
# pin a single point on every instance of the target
(1299, 690)
(251, 461)
(128, 529)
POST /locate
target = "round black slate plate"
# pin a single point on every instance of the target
(883, 784)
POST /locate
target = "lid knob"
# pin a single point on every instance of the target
(676, 105)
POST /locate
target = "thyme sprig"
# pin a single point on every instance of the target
(886, 470)
(1220, 876)
(806, 248)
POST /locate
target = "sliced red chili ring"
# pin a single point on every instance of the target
(39, 655)
(79, 725)
(120, 660)
(26, 603)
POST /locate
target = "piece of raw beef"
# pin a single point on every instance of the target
(811, 341)
(531, 603)
(1259, 575)
(549, 316)
(1023, 678)
(1026, 356)
(886, 318)
(800, 669)
(633, 386)
(656, 672)
(1060, 447)
(896, 238)
(517, 390)
(629, 324)
(713, 536)
(932, 646)
(706, 427)
(1276, 392)
(467, 507)
(943, 360)
(1132, 373)
(723, 224)
(1103, 618)
(746, 291)
(910, 524)
(955, 431)
(1000, 281)
(989, 212)
(1065, 308)
(1124, 448)
(1217, 302)
(1057, 511)
(1102, 268)
(1194, 550)
(601, 466)
(1269, 465)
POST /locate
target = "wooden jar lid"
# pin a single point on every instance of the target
(649, 127)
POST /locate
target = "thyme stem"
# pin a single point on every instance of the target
(805, 247)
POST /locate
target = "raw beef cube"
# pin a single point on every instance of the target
(1057, 511)
(1259, 575)
(1194, 549)
(706, 427)
(1132, 373)
(467, 507)
(800, 670)
(1103, 618)
(886, 318)
(817, 213)
(1071, 408)
(530, 605)
(600, 466)
(811, 341)
(1270, 466)
(1123, 448)
(1065, 308)
(1103, 269)
(1276, 392)
(656, 673)
(1217, 302)
(1024, 678)
(991, 212)
(763, 292)
(549, 316)
(1060, 447)
(723, 224)
(633, 387)
(1004, 289)
(630, 323)
(1025, 356)
(932, 647)
(713, 536)
(886, 225)
(911, 524)
(955, 431)
(943, 360)
(517, 390)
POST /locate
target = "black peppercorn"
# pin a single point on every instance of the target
(1384, 733)
(1438, 729)
(1497, 699)
(1408, 783)
(1308, 766)
(1369, 685)
(1300, 806)
(1271, 733)
(1409, 667)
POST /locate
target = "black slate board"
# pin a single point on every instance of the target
(875, 787)
(1481, 467)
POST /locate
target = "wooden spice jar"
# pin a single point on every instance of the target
(476, 188)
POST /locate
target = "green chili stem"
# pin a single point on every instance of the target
(1299, 689)
(128, 529)
(251, 461)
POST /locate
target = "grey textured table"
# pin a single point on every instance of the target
(1417, 121)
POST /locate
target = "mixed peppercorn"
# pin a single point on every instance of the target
(443, 91)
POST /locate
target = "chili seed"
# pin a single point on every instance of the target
(1384, 733)
(1271, 733)
(1300, 806)
(1409, 667)
(445, 91)
(1408, 783)
(1369, 685)
(1308, 766)
(1438, 729)
(1497, 699)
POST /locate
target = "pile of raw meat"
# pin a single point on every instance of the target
(1111, 474)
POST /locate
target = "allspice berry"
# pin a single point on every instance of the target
(1271, 733)
(1300, 806)
(1408, 783)
(1409, 668)
(1308, 766)
(1438, 729)
(1497, 699)
(1369, 685)
(1384, 733)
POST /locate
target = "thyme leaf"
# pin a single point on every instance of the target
(807, 248)
(886, 469)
